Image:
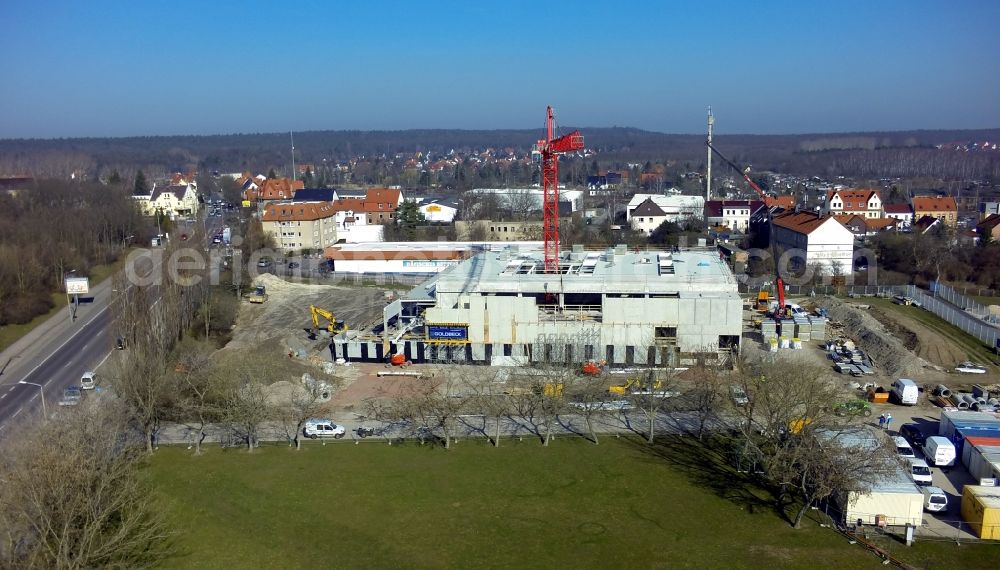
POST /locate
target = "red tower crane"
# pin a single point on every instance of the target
(550, 149)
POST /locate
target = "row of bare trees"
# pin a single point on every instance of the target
(51, 229)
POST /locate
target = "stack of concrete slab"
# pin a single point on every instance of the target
(803, 329)
(817, 328)
(769, 329)
(787, 328)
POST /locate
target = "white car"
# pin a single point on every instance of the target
(903, 448)
(88, 381)
(920, 472)
(739, 395)
(935, 499)
(315, 429)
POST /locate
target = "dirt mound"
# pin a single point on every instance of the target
(887, 351)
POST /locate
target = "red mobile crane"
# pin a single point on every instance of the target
(779, 283)
(550, 149)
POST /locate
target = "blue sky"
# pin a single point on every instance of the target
(100, 68)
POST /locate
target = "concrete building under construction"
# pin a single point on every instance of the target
(503, 308)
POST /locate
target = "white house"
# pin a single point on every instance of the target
(675, 208)
(859, 202)
(813, 239)
(647, 216)
(902, 213)
(179, 199)
(439, 211)
(733, 214)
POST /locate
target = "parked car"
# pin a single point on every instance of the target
(315, 429)
(71, 396)
(739, 395)
(88, 381)
(935, 499)
(905, 392)
(913, 434)
(293, 265)
(920, 472)
(903, 448)
(939, 451)
(264, 263)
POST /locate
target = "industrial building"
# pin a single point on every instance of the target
(503, 308)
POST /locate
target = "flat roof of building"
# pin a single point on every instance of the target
(692, 272)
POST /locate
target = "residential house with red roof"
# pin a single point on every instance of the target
(855, 201)
(943, 208)
(812, 239)
(298, 226)
(380, 204)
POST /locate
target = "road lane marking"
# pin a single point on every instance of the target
(56, 351)
(106, 356)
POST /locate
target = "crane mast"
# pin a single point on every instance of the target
(550, 149)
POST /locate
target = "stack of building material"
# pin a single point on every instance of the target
(803, 329)
(769, 329)
(772, 344)
(787, 328)
(818, 328)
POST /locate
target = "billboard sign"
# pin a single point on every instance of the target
(77, 285)
(448, 332)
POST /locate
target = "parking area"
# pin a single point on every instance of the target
(946, 524)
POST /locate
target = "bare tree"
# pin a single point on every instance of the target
(72, 496)
(653, 397)
(199, 393)
(247, 407)
(705, 397)
(139, 374)
(521, 203)
(589, 398)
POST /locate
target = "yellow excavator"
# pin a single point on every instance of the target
(635, 384)
(317, 312)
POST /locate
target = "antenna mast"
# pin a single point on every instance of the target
(708, 175)
(291, 136)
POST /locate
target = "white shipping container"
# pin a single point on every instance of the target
(984, 462)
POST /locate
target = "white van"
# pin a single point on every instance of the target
(905, 391)
(88, 381)
(920, 472)
(939, 451)
(903, 448)
(935, 500)
(314, 429)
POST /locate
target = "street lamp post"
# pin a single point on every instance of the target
(69, 303)
(41, 390)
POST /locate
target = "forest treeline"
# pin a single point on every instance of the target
(53, 228)
(876, 154)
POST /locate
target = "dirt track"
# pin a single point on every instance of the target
(921, 340)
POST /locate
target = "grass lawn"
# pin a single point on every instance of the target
(10, 334)
(975, 348)
(986, 301)
(574, 504)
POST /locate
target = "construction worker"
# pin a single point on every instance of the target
(888, 420)
(881, 421)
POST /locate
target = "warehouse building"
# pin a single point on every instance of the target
(502, 308)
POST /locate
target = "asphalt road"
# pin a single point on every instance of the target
(56, 354)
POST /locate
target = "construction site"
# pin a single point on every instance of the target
(504, 309)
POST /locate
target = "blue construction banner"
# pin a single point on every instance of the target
(447, 332)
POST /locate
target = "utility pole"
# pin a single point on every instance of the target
(708, 174)
(291, 136)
